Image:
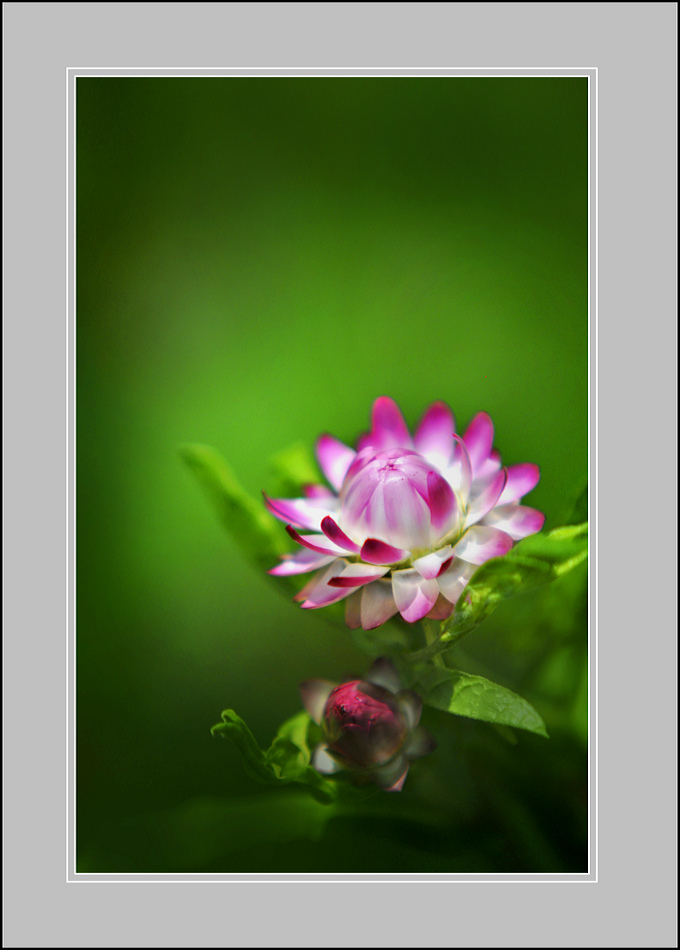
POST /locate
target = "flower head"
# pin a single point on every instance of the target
(408, 519)
(370, 726)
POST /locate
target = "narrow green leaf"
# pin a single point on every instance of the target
(291, 469)
(463, 694)
(285, 761)
(245, 518)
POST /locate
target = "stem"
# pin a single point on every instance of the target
(432, 634)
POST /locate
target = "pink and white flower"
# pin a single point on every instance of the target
(408, 519)
(370, 726)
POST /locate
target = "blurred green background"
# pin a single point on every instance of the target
(257, 260)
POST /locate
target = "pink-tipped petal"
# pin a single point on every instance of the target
(488, 498)
(413, 595)
(323, 763)
(300, 563)
(521, 479)
(377, 552)
(334, 458)
(442, 504)
(335, 534)
(301, 512)
(430, 565)
(322, 597)
(434, 436)
(365, 441)
(353, 610)
(317, 491)
(516, 520)
(480, 543)
(356, 575)
(389, 431)
(459, 472)
(489, 468)
(479, 440)
(384, 673)
(320, 579)
(453, 582)
(316, 542)
(377, 604)
(441, 610)
(314, 694)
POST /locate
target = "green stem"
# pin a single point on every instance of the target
(432, 634)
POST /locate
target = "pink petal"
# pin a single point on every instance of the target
(377, 552)
(320, 579)
(314, 694)
(377, 604)
(488, 498)
(324, 595)
(521, 479)
(516, 520)
(356, 575)
(489, 468)
(441, 610)
(389, 431)
(434, 436)
(397, 512)
(353, 610)
(302, 512)
(479, 440)
(317, 491)
(335, 534)
(479, 544)
(316, 542)
(442, 503)
(413, 595)
(300, 563)
(430, 565)
(384, 673)
(453, 582)
(459, 472)
(334, 458)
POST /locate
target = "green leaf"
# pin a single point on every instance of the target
(245, 518)
(463, 694)
(286, 760)
(291, 469)
(578, 511)
(532, 563)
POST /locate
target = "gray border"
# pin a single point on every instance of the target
(633, 46)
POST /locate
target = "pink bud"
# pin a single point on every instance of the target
(363, 726)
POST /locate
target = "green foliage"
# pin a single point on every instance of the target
(286, 760)
(291, 469)
(532, 563)
(463, 694)
(244, 517)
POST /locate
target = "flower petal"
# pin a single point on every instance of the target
(430, 565)
(489, 468)
(434, 436)
(441, 610)
(411, 705)
(459, 472)
(488, 498)
(377, 552)
(384, 673)
(442, 503)
(353, 610)
(316, 542)
(317, 491)
(516, 520)
(391, 777)
(335, 534)
(301, 512)
(389, 431)
(377, 604)
(479, 544)
(453, 582)
(300, 563)
(314, 694)
(413, 595)
(479, 440)
(323, 763)
(419, 743)
(521, 479)
(334, 458)
(318, 593)
(356, 575)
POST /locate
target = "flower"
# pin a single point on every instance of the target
(409, 519)
(370, 726)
